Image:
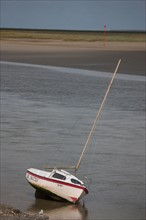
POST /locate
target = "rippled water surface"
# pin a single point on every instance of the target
(46, 116)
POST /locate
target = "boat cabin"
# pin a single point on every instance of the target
(65, 176)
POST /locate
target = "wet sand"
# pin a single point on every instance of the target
(82, 55)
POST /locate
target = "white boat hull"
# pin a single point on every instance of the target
(56, 188)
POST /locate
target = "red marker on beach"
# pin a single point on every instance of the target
(104, 35)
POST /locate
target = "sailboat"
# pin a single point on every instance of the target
(58, 183)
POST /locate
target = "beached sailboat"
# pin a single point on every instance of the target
(58, 183)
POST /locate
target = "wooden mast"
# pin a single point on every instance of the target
(97, 117)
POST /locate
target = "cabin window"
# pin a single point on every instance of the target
(59, 176)
(75, 181)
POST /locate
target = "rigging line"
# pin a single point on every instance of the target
(97, 116)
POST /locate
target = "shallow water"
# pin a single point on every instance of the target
(46, 116)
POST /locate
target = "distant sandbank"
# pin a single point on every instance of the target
(56, 45)
(81, 54)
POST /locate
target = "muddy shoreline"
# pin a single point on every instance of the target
(10, 213)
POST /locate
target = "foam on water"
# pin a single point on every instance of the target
(80, 71)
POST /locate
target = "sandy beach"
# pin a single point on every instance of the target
(82, 55)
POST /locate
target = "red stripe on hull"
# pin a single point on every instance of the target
(74, 199)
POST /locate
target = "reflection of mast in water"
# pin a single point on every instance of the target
(59, 210)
